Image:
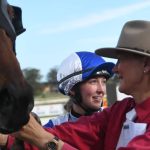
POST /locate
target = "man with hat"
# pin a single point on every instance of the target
(123, 126)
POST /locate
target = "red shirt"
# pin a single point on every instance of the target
(101, 130)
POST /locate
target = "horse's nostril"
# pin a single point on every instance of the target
(5, 99)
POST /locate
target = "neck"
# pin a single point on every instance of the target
(75, 114)
(141, 94)
(141, 90)
(78, 109)
(140, 97)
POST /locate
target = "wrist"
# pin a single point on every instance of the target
(54, 144)
(48, 140)
(3, 140)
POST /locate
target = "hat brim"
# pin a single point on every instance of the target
(108, 66)
(113, 52)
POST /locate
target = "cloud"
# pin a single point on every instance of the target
(99, 40)
(93, 19)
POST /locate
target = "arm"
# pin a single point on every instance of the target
(87, 132)
(35, 134)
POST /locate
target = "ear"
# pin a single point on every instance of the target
(72, 92)
(147, 66)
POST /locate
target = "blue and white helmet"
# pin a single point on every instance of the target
(80, 66)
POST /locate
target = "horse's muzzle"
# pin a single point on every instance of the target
(15, 106)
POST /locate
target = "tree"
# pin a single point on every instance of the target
(52, 78)
(52, 75)
(33, 77)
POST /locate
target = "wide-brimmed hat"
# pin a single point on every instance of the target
(134, 38)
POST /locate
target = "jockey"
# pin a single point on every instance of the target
(82, 76)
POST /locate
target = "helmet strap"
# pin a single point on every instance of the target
(88, 111)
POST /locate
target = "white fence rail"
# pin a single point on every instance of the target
(49, 108)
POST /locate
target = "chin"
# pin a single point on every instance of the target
(96, 107)
(124, 90)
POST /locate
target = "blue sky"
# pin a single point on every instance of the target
(54, 29)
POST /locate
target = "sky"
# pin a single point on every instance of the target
(57, 28)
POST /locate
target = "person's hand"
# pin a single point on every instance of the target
(34, 133)
(3, 139)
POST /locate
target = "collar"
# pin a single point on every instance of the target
(143, 111)
(75, 114)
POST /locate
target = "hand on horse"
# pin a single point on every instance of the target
(33, 133)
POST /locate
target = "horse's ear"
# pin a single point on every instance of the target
(5, 19)
(11, 20)
(17, 20)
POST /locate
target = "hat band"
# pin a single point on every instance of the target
(74, 74)
(141, 50)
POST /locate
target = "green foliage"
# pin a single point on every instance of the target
(33, 77)
(52, 75)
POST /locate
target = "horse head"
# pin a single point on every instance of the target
(16, 96)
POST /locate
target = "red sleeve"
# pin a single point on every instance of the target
(86, 132)
(68, 147)
(27, 146)
(10, 142)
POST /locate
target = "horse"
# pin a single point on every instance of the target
(16, 95)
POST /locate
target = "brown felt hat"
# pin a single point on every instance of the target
(134, 38)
